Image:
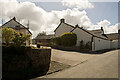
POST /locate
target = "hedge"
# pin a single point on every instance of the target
(66, 39)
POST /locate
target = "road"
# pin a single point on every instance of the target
(70, 58)
(99, 66)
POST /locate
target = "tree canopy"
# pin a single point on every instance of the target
(42, 33)
(10, 35)
(7, 34)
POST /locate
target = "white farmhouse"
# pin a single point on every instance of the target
(14, 24)
(63, 28)
(97, 38)
(114, 37)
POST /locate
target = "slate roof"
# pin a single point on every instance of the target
(94, 35)
(113, 36)
(96, 31)
(44, 37)
(66, 24)
(22, 26)
(89, 32)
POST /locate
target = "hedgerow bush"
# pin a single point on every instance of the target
(88, 45)
(57, 40)
(83, 45)
(66, 39)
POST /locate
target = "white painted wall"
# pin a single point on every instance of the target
(63, 28)
(82, 35)
(99, 44)
(114, 44)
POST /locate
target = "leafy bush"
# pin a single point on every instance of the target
(66, 39)
(10, 35)
(7, 34)
(20, 38)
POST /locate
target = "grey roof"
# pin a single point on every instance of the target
(93, 34)
(44, 37)
(96, 31)
(66, 24)
(15, 26)
(113, 36)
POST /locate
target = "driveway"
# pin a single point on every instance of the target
(102, 66)
(70, 58)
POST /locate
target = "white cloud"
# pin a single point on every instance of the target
(104, 23)
(108, 29)
(41, 20)
(81, 4)
(106, 26)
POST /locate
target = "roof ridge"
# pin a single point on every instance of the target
(91, 33)
(66, 24)
(18, 23)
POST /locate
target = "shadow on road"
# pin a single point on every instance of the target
(86, 51)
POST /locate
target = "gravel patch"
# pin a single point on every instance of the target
(56, 67)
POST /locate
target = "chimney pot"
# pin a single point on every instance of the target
(14, 18)
(62, 20)
(76, 25)
(102, 30)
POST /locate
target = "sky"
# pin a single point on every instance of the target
(107, 10)
(45, 16)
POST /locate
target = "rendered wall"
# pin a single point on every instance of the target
(100, 44)
(63, 28)
(82, 35)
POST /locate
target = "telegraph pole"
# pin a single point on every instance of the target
(28, 24)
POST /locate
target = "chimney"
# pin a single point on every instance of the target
(62, 20)
(76, 25)
(102, 30)
(14, 18)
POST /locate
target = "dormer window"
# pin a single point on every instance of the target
(17, 27)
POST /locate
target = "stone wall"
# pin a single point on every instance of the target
(24, 62)
(39, 56)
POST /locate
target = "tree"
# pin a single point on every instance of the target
(20, 38)
(42, 34)
(7, 35)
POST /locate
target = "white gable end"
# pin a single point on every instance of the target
(12, 24)
(82, 35)
(63, 28)
(99, 44)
